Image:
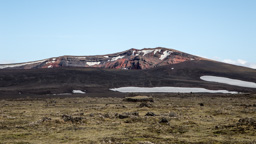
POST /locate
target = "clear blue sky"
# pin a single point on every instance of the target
(38, 29)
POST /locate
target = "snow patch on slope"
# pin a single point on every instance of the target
(157, 50)
(168, 90)
(106, 56)
(92, 63)
(229, 81)
(146, 52)
(116, 58)
(78, 92)
(165, 54)
(138, 53)
(80, 57)
(53, 61)
(19, 64)
(133, 52)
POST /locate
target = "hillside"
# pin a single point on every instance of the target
(100, 80)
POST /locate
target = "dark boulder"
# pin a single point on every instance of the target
(139, 99)
(150, 114)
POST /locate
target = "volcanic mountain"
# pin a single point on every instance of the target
(158, 67)
(131, 59)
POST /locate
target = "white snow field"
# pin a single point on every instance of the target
(116, 58)
(157, 50)
(92, 63)
(165, 54)
(145, 52)
(229, 81)
(168, 90)
(133, 52)
(78, 92)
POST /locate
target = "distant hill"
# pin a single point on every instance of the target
(130, 59)
(158, 67)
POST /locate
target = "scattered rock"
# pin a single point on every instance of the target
(135, 113)
(244, 125)
(145, 104)
(139, 99)
(126, 115)
(109, 115)
(77, 120)
(201, 104)
(120, 106)
(68, 118)
(46, 119)
(4, 127)
(247, 121)
(123, 116)
(163, 120)
(217, 127)
(248, 105)
(150, 114)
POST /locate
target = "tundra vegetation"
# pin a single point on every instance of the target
(169, 118)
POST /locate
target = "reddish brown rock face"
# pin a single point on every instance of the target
(130, 59)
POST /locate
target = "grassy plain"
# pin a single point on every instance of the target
(172, 119)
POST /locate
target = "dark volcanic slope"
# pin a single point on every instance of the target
(62, 80)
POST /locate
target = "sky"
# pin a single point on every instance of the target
(223, 30)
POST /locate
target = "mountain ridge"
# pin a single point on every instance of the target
(157, 67)
(145, 58)
(98, 80)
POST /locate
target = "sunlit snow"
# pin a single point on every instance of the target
(116, 58)
(78, 92)
(146, 52)
(106, 56)
(165, 54)
(157, 50)
(133, 52)
(168, 90)
(53, 61)
(92, 63)
(138, 53)
(229, 81)
(81, 57)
